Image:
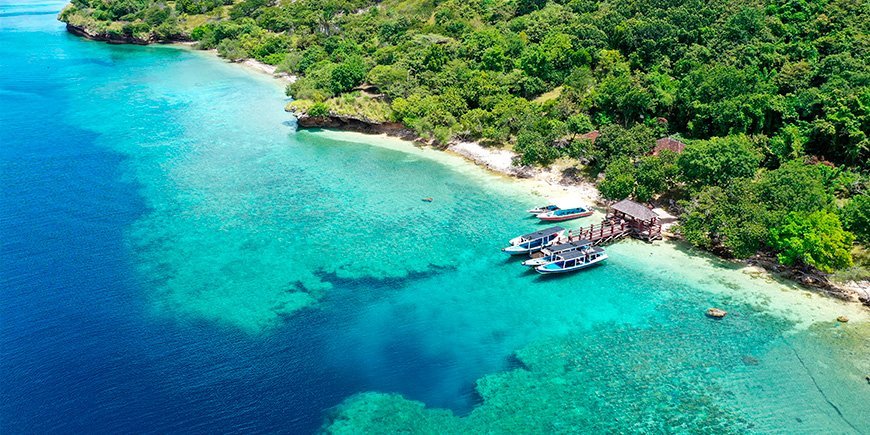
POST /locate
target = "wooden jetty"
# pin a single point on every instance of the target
(625, 218)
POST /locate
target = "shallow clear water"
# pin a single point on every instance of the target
(176, 257)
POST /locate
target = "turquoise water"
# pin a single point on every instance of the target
(177, 257)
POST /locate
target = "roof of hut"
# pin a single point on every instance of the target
(634, 209)
(667, 143)
(592, 135)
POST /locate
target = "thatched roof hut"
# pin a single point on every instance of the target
(634, 210)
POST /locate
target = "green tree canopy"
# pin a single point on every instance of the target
(816, 239)
(717, 161)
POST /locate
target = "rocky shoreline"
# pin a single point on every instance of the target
(851, 291)
(110, 38)
(349, 123)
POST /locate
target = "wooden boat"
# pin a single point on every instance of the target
(543, 209)
(573, 261)
(428, 199)
(564, 214)
(532, 242)
(551, 252)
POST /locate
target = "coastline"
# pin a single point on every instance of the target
(555, 184)
(555, 187)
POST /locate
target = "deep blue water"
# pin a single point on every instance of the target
(83, 347)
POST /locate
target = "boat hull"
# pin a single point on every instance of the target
(535, 262)
(545, 270)
(566, 217)
(520, 250)
(539, 210)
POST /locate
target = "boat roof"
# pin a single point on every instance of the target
(542, 233)
(571, 254)
(569, 245)
(576, 254)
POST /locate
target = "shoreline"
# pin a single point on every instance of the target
(556, 184)
(548, 184)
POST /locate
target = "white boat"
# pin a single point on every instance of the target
(543, 209)
(550, 253)
(532, 242)
(565, 214)
(573, 261)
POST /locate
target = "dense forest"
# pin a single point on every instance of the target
(770, 97)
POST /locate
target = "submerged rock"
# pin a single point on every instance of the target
(716, 313)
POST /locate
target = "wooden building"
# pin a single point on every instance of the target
(625, 218)
(642, 222)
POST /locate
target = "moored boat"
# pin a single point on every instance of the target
(565, 214)
(532, 242)
(573, 261)
(543, 209)
(550, 253)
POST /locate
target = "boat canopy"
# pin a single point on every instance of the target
(543, 233)
(570, 245)
(572, 254)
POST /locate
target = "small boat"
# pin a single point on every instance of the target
(532, 242)
(428, 199)
(543, 209)
(573, 261)
(564, 214)
(551, 252)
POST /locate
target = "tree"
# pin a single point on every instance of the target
(535, 149)
(855, 216)
(816, 239)
(619, 180)
(717, 161)
(730, 220)
(231, 49)
(347, 74)
(795, 186)
(392, 80)
(655, 174)
(616, 141)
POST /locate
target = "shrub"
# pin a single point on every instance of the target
(318, 110)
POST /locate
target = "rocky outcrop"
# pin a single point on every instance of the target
(107, 37)
(113, 38)
(716, 313)
(350, 123)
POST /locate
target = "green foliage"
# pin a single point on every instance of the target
(655, 174)
(728, 219)
(616, 141)
(347, 74)
(795, 186)
(318, 109)
(757, 89)
(619, 180)
(199, 6)
(816, 239)
(717, 161)
(231, 49)
(534, 148)
(855, 216)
